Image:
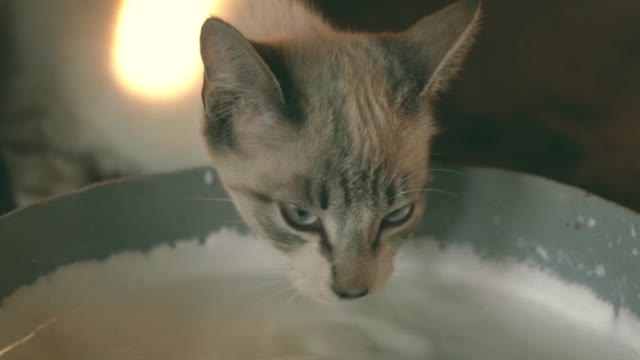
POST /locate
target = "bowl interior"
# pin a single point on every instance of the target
(502, 217)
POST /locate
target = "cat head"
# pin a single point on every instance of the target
(323, 142)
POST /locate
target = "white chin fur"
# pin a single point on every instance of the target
(310, 273)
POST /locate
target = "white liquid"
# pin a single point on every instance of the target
(229, 299)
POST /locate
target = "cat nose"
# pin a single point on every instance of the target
(348, 295)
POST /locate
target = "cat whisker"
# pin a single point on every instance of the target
(286, 302)
(263, 301)
(406, 179)
(271, 269)
(273, 315)
(405, 263)
(225, 200)
(261, 286)
(401, 267)
(403, 256)
(273, 292)
(405, 260)
(237, 222)
(395, 300)
(445, 170)
(443, 192)
(293, 298)
(431, 190)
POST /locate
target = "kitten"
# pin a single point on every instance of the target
(321, 137)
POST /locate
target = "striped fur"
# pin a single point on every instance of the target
(337, 123)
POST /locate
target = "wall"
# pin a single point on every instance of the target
(551, 88)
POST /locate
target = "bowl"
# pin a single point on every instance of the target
(502, 251)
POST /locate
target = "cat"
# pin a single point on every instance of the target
(321, 137)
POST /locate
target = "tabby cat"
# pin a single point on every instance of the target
(320, 136)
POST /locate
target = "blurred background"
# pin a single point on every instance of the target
(551, 88)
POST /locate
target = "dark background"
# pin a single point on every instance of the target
(551, 88)
(5, 199)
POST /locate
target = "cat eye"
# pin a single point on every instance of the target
(398, 216)
(299, 218)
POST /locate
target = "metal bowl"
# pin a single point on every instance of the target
(504, 215)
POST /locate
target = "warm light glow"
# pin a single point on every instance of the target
(156, 49)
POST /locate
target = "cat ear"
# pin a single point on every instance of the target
(432, 51)
(240, 92)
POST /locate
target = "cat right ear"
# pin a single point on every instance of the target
(429, 54)
(239, 89)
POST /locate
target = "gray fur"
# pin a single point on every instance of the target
(337, 123)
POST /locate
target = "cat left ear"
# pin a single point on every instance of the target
(233, 64)
(240, 91)
(431, 52)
